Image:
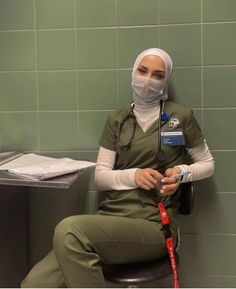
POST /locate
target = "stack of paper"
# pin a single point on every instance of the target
(39, 167)
(6, 157)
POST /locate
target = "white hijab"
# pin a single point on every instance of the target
(147, 116)
(168, 65)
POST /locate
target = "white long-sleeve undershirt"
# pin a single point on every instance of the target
(106, 178)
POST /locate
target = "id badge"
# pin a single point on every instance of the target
(173, 138)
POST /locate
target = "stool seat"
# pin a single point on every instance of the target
(134, 273)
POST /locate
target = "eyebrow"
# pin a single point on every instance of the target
(142, 66)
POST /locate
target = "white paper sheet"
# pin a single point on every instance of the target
(41, 167)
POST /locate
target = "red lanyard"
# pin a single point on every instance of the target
(169, 242)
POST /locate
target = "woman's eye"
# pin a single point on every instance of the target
(141, 70)
(159, 76)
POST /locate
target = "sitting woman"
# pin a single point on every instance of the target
(141, 147)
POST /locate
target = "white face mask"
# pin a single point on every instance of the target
(147, 91)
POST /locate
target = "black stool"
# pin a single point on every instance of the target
(132, 274)
(129, 275)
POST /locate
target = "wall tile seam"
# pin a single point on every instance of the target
(207, 235)
(201, 234)
(79, 29)
(209, 275)
(100, 110)
(157, 5)
(117, 57)
(216, 192)
(218, 108)
(76, 70)
(67, 151)
(113, 69)
(46, 111)
(202, 69)
(218, 65)
(61, 151)
(198, 23)
(158, 26)
(64, 70)
(221, 193)
(36, 111)
(36, 75)
(120, 26)
(212, 108)
(223, 150)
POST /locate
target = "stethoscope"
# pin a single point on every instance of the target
(130, 115)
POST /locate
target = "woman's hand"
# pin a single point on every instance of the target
(170, 185)
(147, 178)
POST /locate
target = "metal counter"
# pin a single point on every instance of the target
(64, 181)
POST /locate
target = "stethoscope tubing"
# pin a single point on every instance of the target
(160, 153)
(130, 114)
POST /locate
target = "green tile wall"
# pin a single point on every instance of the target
(132, 40)
(90, 13)
(56, 49)
(17, 50)
(181, 11)
(66, 64)
(54, 13)
(57, 90)
(137, 12)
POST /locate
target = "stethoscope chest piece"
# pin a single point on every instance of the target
(161, 155)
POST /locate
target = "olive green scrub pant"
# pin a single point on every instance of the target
(82, 242)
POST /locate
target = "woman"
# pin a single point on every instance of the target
(135, 163)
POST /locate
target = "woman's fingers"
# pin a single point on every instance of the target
(147, 178)
(170, 188)
(169, 184)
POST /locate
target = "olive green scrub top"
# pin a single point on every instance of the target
(140, 203)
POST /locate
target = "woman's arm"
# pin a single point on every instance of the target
(108, 179)
(203, 164)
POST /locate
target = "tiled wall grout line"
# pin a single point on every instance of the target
(76, 74)
(223, 150)
(210, 275)
(211, 234)
(112, 69)
(219, 108)
(37, 78)
(117, 58)
(158, 26)
(120, 26)
(202, 80)
(56, 111)
(102, 110)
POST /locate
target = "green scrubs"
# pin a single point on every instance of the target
(127, 225)
(139, 203)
